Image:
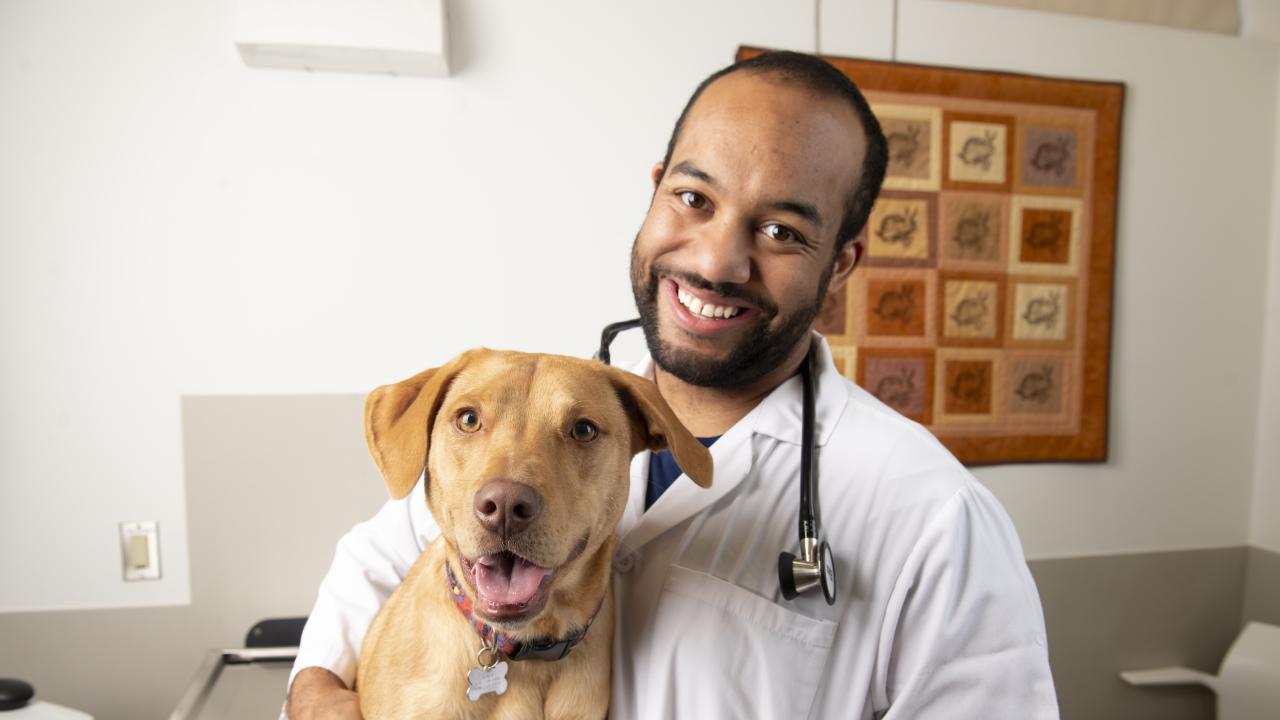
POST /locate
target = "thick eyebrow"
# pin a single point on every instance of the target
(805, 210)
(689, 169)
(808, 211)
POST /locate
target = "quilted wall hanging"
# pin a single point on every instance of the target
(982, 305)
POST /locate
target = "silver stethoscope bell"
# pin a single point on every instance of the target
(816, 568)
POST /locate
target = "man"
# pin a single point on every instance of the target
(768, 178)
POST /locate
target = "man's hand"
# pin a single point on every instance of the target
(317, 694)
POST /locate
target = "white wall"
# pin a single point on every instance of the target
(1264, 526)
(172, 222)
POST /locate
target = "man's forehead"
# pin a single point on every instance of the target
(752, 118)
(770, 95)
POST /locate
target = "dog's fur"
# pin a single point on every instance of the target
(418, 651)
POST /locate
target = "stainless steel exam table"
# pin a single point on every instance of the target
(239, 684)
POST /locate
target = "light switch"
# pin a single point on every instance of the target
(140, 550)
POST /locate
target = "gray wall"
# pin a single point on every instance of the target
(1262, 586)
(273, 481)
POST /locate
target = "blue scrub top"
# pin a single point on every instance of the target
(663, 471)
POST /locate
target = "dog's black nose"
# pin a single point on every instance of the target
(506, 508)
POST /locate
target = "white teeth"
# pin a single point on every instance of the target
(706, 310)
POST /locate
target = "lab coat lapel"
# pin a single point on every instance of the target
(777, 416)
(731, 455)
(782, 416)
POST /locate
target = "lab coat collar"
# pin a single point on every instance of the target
(778, 416)
(783, 413)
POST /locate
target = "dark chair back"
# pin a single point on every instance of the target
(276, 632)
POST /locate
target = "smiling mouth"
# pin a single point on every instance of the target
(698, 308)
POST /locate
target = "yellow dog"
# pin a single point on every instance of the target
(527, 463)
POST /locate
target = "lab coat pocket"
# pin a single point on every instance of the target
(738, 654)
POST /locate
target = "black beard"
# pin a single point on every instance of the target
(761, 350)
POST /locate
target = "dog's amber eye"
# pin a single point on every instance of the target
(583, 431)
(468, 421)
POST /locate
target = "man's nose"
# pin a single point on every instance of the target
(721, 251)
(505, 508)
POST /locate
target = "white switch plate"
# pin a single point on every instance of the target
(149, 532)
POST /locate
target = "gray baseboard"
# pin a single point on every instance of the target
(1262, 586)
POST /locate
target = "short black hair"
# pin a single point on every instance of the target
(821, 77)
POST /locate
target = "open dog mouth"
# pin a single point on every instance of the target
(511, 588)
(507, 580)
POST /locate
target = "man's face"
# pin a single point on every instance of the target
(737, 251)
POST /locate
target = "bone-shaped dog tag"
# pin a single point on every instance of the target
(483, 680)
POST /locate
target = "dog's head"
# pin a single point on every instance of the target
(527, 464)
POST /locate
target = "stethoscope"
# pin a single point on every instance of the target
(816, 566)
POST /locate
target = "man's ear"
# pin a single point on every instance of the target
(655, 426)
(656, 173)
(398, 420)
(845, 261)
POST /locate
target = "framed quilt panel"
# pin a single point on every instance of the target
(982, 304)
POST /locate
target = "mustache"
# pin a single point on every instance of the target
(725, 290)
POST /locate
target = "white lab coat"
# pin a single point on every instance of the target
(936, 614)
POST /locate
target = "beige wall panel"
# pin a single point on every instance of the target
(1105, 614)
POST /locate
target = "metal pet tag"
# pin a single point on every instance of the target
(488, 678)
(481, 681)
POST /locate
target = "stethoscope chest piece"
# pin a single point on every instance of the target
(816, 569)
(827, 565)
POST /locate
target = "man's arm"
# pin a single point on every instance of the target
(317, 694)
(370, 562)
(964, 636)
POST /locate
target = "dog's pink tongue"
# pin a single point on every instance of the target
(503, 578)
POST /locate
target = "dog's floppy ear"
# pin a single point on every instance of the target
(659, 429)
(398, 420)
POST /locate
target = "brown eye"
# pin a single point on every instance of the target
(583, 431)
(693, 199)
(781, 233)
(468, 421)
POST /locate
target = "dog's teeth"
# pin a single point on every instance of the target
(695, 306)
